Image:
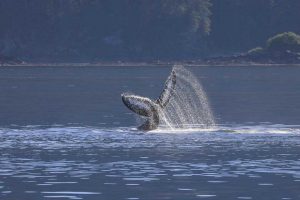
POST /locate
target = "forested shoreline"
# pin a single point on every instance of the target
(145, 30)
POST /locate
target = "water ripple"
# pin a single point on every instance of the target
(93, 163)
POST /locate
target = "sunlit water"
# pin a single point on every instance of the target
(64, 134)
(239, 162)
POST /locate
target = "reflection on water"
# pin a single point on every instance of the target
(231, 162)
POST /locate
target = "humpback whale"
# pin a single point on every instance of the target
(148, 108)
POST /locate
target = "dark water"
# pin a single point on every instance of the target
(64, 134)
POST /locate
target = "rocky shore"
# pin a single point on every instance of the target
(287, 57)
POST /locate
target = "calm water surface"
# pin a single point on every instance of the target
(64, 134)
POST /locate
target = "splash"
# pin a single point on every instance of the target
(189, 106)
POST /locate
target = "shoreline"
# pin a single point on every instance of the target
(149, 64)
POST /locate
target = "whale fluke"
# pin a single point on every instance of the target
(148, 108)
(168, 91)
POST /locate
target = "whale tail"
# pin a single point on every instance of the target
(168, 90)
(148, 108)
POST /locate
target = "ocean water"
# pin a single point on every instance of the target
(65, 134)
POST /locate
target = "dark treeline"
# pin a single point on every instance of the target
(78, 30)
(239, 25)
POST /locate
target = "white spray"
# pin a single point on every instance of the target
(189, 106)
